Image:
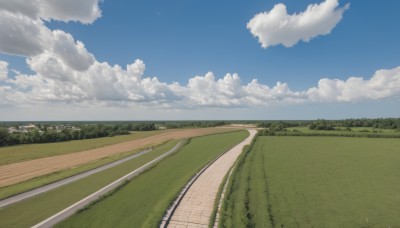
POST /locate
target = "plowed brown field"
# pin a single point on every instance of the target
(18, 172)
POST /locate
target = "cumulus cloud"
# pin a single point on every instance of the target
(23, 32)
(73, 54)
(84, 11)
(278, 27)
(384, 83)
(65, 72)
(20, 35)
(3, 70)
(55, 81)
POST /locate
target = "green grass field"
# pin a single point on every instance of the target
(316, 182)
(13, 154)
(144, 200)
(33, 210)
(355, 132)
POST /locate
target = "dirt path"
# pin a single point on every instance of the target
(196, 206)
(18, 172)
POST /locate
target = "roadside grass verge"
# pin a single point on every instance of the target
(33, 210)
(316, 182)
(13, 154)
(143, 201)
(227, 183)
(235, 214)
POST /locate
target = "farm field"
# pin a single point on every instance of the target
(19, 153)
(36, 182)
(355, 132)
(18, 172)
(316, 182)
(144, 200)
(42, 206)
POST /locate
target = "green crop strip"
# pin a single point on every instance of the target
(315, 182)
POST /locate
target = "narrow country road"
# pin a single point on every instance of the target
(49, 222)
(196, 206)
(36, 191)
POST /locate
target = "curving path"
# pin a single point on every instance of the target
(197, 204)
(37, 191)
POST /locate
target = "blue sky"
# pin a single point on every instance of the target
(178, 40)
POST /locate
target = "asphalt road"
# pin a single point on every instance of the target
(49, 222)
(36, 191)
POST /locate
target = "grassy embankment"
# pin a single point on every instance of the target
(316, 182)
(143, 201)
(33, 210)
(23, 152)
(13, 154)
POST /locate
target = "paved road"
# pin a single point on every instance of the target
(82, 203)
(196, 206)
(36, 191)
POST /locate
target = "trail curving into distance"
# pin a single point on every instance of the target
(196, 205)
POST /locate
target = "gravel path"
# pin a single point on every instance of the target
(36, 191)
(196, 206)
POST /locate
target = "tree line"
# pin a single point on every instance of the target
(44, 133)
(321, 124)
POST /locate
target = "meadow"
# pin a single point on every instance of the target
(143, 201)
(33, 210)
(315, 182)
(13, 154)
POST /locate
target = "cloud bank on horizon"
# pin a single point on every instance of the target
(65, 71)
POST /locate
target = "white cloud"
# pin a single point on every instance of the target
(73, 54)
(383, 84)
(3, 70)
(102, 83)
(84, 11)
(29, 8)
(278, 27)
(65, 72)
(23, 32)
(20, 35)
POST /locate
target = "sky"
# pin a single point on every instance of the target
(190, 59)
